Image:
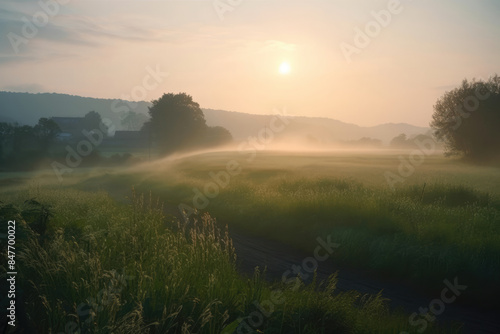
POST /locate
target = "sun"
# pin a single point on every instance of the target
(285, 68)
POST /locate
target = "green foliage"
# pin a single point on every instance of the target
(92, 121)
(468, 117)
(401, 141)
(110, 268)
(22, 147)
(437, 225)
(412, 234)
(443, 222)
(46, 130)
(177, 123)
(217, 135)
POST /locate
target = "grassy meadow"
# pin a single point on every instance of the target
(157, 274)
(91, 265)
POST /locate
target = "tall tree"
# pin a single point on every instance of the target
(217, 135)
(93, 121)
(6, 132)
(24, 139)
(46, 132)
(399, 141)
(176, 122)
(467, 119)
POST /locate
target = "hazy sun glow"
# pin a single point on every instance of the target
(285, 68)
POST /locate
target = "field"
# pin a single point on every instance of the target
(442, 222)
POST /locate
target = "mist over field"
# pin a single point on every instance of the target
(243, 166)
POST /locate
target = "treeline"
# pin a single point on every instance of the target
(176, 123)
(405, 142)
(22, 147)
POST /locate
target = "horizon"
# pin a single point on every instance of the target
(229, 111)
(317, 59)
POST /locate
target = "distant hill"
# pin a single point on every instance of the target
(320, 129)
(27, 108)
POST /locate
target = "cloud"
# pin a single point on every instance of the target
(71, 27)
(23, 41)
(112, 28)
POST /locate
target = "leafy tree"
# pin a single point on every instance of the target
(467, 119)
(24, 139)
(399, 141)
(24, 149)
(46, 132)
(6, 132)
(23, 146)
(367, 141)
(217, 135)
(177, 122)
(93, 121)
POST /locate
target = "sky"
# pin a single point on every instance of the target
(365, 62)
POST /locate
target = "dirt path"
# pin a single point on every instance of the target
(278, 258)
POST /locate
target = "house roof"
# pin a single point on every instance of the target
(68, 123)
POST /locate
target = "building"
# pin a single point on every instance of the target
(70, 127)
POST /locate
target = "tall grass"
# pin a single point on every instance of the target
(422, 233)
(419, 233)
(103, 267)
(443, 221)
